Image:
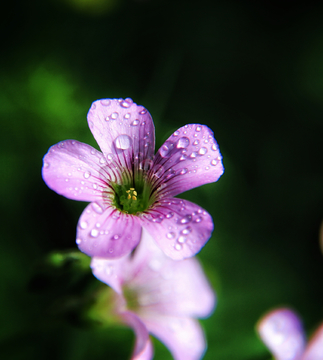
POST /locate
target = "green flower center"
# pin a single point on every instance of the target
(132, 199)
(131, 298)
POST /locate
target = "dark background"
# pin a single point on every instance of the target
(251, 71)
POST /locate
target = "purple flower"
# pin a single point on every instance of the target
(282, 332)
(155, 294)
(130, 188)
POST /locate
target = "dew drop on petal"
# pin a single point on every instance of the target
(183, 171)
(196, 142)
(78, 241)
(183, 157)
(114, 116)
(143, 112)
(115, 237)
(166, 149)
(170, 235)
(183, 142)
(198, 128)
(170, 215)
(94, 232)
(182, 239)
(105, 102)
(46, 165)
(186, 219)
(123, 142)
(87, 174)
(178, 247)
(97, 208)
(176, 133)
(110, 250)
(83, 224)
(198, 219)
(214, 147)
(135, 122)
(126, 103)
(203, 151)
(186, 231)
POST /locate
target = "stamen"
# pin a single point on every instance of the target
(134, 198)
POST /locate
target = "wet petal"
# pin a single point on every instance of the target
(314, 349)
(124, 131)
(143, 348)
(281, 330)
(75, 170)
(166, 286)
(189, 158)
(179, 227)
(183, 336)
(106, 232)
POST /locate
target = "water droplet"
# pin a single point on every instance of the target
(178, 247)
(170, 235)
(183, 142)
(135, 122)
(186, 231)
(214, 147)
(46, 165)
(105, 102)
(186, 219)
(97, 208)
(193, 155)
(198, 219)
(214, 162)
(115, 237)
(166, 149)
(176, 133)
(94, 232)
(123, 142)
(97, 225)
(183, 157)
(198, 128)
(203, 151)
(110, 250)
(87, 174)
(196, 142)
(170, 215)
(126, 103)
(78, 241)
(182, 239)
(83, 224)
(183, 171)
(143, 112)
(102, 161)
(159, 172)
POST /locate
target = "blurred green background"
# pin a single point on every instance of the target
(251, 71)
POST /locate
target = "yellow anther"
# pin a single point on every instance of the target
(134, 198)
(128, 191)
(135, 192)
(132, 188)
(129, 197)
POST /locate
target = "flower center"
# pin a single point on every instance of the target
(132, 200)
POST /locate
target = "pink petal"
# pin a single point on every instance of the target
(73, 169)
(189, 158)
(314, 350)
(179, 227)
(281, 330)
(106, 232)
(183, 336)
(124, 131)
(143, 348)
(166, 286)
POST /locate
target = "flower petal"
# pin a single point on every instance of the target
(281, 330)
(166, 286)
(179, 227)
(183, 336)
(143, 348)
(189, 158)
(314, 350)
(72, 169)
(106, 232)
(124, 131)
